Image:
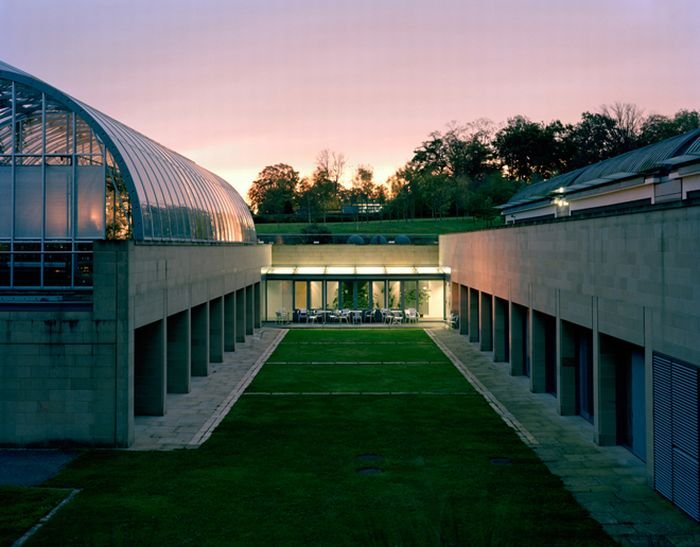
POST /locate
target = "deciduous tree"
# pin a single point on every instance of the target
(274, 191)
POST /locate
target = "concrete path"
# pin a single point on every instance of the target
(191, 417)
(609, 482)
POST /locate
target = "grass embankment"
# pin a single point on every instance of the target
(332, 469)
(386, 227)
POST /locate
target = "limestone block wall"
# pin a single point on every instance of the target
(355, 255)
(635, 274)
(68, 376)
(167, 279)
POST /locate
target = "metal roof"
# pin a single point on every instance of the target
(173, 198)
(625, 166)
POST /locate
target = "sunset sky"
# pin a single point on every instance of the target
(240, 84)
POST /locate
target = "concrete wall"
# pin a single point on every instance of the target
(68, 376)
(630, 271)
(354, 255)
(629, 280)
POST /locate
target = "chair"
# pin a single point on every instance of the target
(343, 316)
(453, 321)
(279, 317)
(303, 315)
(312, 317)
(356, 317)
(411, 315)
(396, 317)
(387, 316)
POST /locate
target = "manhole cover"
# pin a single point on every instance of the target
(370, 457)
(370, 471)
(501, 461)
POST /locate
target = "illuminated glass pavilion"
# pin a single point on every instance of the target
(71, 175)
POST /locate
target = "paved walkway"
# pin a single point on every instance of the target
(191, 417)
(608, 481)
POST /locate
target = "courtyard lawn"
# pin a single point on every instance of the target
(362, 345)
(295, 469)
(343, 378)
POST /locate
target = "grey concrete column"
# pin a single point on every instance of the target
(230, 322)
(150, 362)
(199, 325)
(473, 315)
(463, 309)
(605, 416)
(486, 322)
(257, 305)
(567, 368)
(249, 310)
(179, 352)
(518, 341)
(240, 315)
(216, 330)
(537, 352)
(500, 329)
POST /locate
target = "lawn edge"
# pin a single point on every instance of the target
(43, 520)
(223, 409)
(510, 420)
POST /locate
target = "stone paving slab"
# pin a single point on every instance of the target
(191, 417)
(609, 482)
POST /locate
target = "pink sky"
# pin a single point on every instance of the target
(237, 85)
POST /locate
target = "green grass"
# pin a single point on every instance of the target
(283, 470)
(345, 345)
(387, 227)
(359, 378)
(22, 507)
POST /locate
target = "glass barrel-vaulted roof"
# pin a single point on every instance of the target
(173, 198)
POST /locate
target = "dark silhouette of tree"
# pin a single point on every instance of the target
(325, 189)
(274, 191)
(529, 150)
(628, 120)
(657, 127)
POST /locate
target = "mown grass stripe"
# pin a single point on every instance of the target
(355, 393)
(376, 363)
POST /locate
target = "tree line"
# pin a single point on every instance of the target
(465, 169)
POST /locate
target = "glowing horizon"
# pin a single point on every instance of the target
(239, 85)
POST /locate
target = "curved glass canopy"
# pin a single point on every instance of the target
(77, 157)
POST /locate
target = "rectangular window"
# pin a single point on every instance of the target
(316, 293)
(394, 300)
(363, 295)
(57, 269)
(279, 298)
(300, 300)
(331, 295)
(57, 202)
(378, 294)
(83, 269)
(431, 299)
(28, 201)
(410, 289)
(91, 202)
(5, 201)
(27, 269)
(4, 269)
